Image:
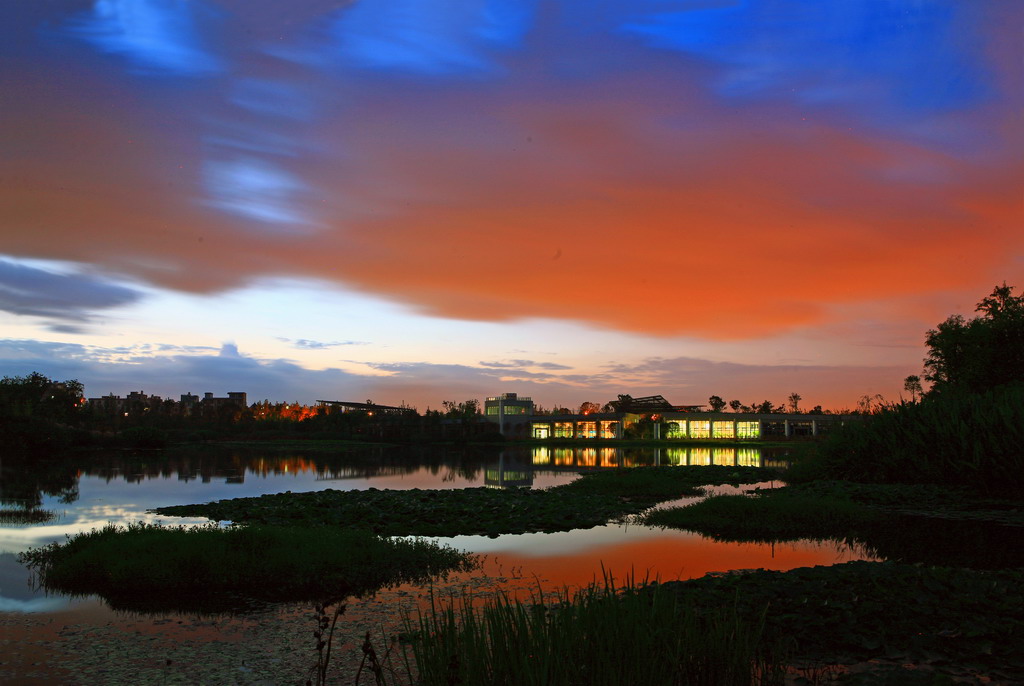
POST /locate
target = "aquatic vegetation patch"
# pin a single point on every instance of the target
(774, 517)
(597, 635)
(859, 611)
(209, 569)
(883, 521)
(416, 512)
(591, 501)
(922, 500)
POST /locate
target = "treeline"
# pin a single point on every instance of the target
(41, 415)
(967, 429)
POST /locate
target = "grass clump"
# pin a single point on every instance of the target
(955, 439)
(769, 517)
(596, 636)
(149, 567)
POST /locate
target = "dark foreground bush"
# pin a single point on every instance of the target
(207, 568)
(954, 439)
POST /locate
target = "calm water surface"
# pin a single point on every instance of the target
(120, 489)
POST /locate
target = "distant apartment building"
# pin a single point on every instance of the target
(233, 398)
(137, 402)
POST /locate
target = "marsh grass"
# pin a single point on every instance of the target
(770, 517)
(956, 439)
(149, 567)
(597, 635)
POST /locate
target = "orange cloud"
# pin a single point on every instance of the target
(604, 205)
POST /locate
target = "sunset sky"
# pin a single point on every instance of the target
(426, 200)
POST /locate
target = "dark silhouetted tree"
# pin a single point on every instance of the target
(35, 395)
(974, 355)
(716, 403)
(912, 385)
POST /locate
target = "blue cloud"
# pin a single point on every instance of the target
(271, 98)
(255, 189)
(427, 37)
(28, 290)
(156, 36)
(909, 57)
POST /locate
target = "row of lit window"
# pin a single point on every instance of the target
(509, 409)
(681, 429)
(709, 429)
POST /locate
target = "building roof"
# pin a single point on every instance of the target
(649, 403)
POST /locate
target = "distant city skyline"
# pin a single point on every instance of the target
(412, 203)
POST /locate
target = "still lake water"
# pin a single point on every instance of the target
(56, 640)
(120, 489)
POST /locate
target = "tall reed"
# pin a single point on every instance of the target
(596, 636)
(955, 439)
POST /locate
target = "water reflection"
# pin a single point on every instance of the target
(520, 466)
(53, 498)
(26, 485)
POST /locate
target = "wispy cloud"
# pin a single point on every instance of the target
(522, 364)
(306, 344)
(155, 36)
(428, 38)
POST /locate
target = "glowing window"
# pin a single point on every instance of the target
(748, 429)
(723, 430)
(700, 429)
(609, 429)
(676, 430)
(541, 430)
(586, 430)
(563, 430)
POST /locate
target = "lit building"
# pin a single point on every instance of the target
(511, 413)
(653, 417)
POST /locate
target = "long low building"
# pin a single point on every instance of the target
(650, 417)
(677, 425)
